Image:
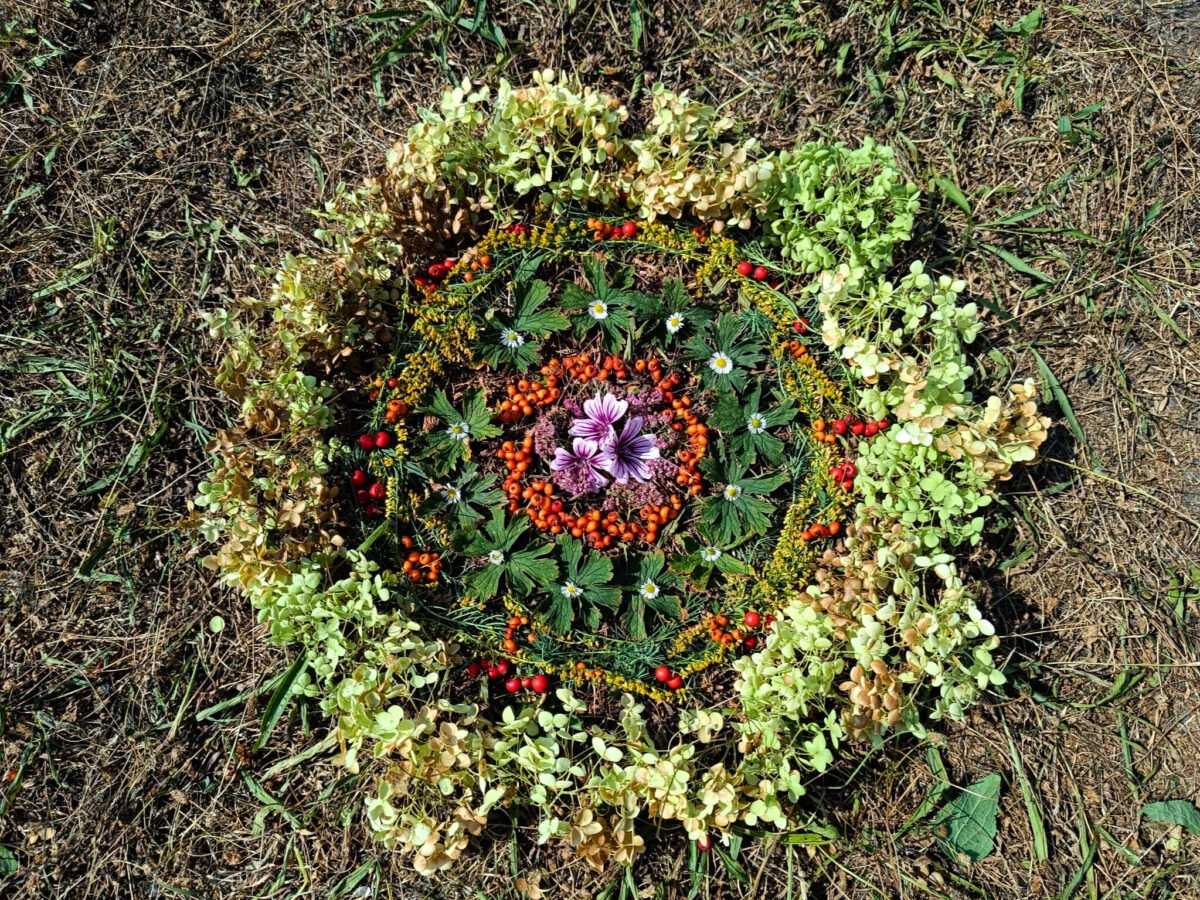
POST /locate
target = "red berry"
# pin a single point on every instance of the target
(502, 667)
(675, 683)
(662, 673)
(760, 273)
(393, 382)
(798, 327)
(704, 843)
(768, 621)
(493, 672)
(540, 683)
(837, 473)
(774, 284)
(629, 229)
(882, 424)
(847, 485)
(366, 441)
(750, 642)
(838, 427)
(849, 470)
(871, 429)
(512, 685)
(363, 496)
(383, 439)
(435, 271)
(751, 619)
(857, 428)
(374, 510)
(474, 669)
(377, 491)
(744, 268)
(359, 478)
(527, 682)
(447, 263)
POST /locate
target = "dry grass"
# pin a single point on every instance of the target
(158, 157)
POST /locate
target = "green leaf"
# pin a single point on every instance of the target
(279, 700)
(1019, 264)
(966, 826)
(953, 193)
(1174, 812)
(1060, 397)
(441, 407)
(8, 862)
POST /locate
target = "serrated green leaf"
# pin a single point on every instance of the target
(1174, 812)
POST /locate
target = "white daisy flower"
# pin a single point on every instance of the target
(710, 554)
(756, 424)
(674, 322)
(721, 364)
(732, 492)
(496, 557)
(598, 310)
(511, 338)
(451, 495)
(649, 590)
(570, 591)
(460, 431)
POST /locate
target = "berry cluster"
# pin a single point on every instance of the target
(434, 274)
(672, 680)
(368, 492)
(847, 427)
(538, 683)
(739, 635)
(794, 348)
(513, 631)
(818, 531)
(605, 231)
(524, 395)
(421, 566)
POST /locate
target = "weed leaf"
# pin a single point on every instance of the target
(967, 824)
(1174, 812)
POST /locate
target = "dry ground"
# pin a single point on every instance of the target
(159, 156)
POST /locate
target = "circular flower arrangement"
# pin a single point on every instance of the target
(567, 506)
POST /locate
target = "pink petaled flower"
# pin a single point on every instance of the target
(578, 469)
(626, 457)
(599, 415)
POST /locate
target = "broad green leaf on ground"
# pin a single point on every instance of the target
(1174, 812)
(966, 826)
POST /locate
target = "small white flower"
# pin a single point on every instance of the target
(452, 495)
(710, 554)
(649, 590)
(756, 424)
(674, 322)
(496, 557)
(570, 591)
(511, 338)
(732, 492)
(721, 364)
(598, 310)
(460, 431)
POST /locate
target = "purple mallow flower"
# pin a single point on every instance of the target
(626, 456)
(578, 469)
(599, 416)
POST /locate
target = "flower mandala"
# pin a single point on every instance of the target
(568, 506)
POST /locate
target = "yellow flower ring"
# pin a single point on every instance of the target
(719, 604)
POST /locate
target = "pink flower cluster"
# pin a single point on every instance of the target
(600, 452)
